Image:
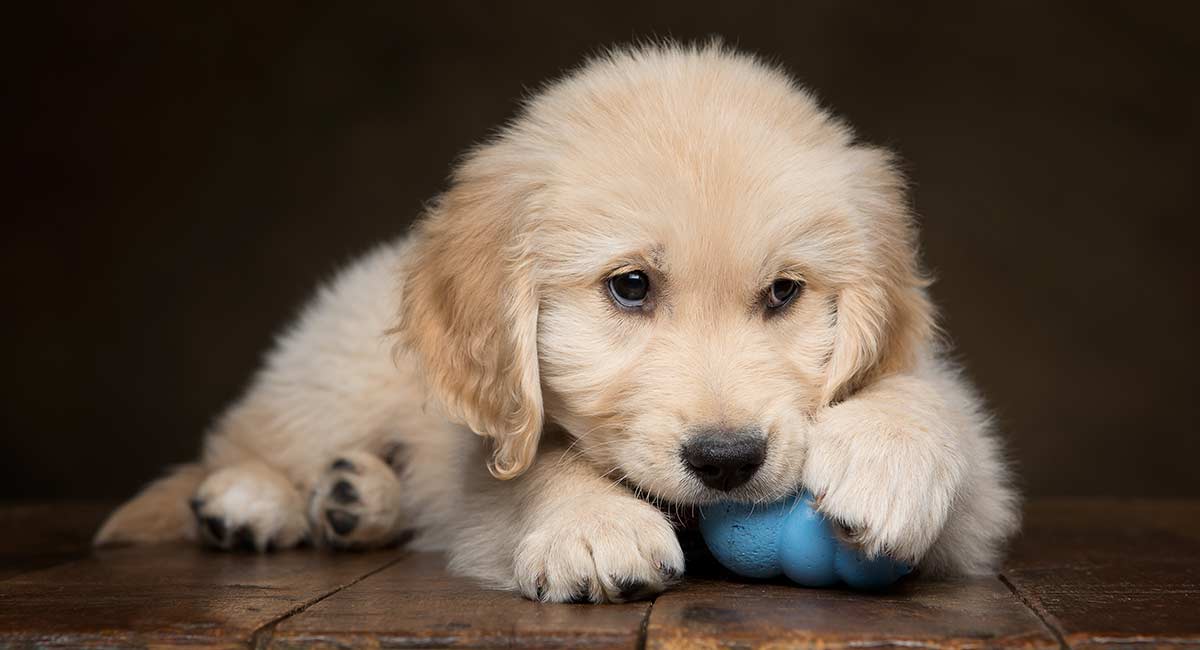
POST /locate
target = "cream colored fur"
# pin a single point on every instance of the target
(713, 174)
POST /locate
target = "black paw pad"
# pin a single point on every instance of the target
(582, 593)
(394, 456)
(343, 465)
(632, 588)
(243, 539)
(215, 526)
(404, 537)
(341, 521)
(344, 492)
(668, 572)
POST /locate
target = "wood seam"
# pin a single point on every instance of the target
(1037, 611)
(644, 631)
(261, 638)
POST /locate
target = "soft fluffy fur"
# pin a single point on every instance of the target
(714, 174)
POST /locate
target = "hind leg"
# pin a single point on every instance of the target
(249, 506)
(159, 513)
(356, 503)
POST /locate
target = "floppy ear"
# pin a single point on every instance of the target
(469, 311)
(884, 316)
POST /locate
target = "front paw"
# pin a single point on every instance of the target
(888, 491)
(599, 549)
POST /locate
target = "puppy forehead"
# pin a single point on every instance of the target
(715, 208)
(707, 160)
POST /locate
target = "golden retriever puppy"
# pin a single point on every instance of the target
(674, 279)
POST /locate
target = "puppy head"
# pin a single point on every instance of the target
(676, 256)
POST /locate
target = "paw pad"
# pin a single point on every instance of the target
(632, 588)
(356, 503)
(342, 522)
(583, 592)
(215, 527)
(344, 492)
(215, 532)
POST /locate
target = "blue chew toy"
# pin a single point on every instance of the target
(788, 537)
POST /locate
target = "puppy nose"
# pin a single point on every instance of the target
(723, 459)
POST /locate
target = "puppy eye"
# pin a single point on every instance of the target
(629, 289)
(783, 291)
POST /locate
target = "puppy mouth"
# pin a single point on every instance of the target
(685, 516)
(685, 509)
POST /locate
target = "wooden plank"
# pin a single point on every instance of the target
(414, 603)
(1099, 573)
(169, 595)
(1058, 530)
(1112, 573)
(977, 613)
(39, 535)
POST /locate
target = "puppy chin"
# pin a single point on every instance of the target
(687, 493)
(756, 491)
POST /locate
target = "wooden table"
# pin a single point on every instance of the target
(1086, 573)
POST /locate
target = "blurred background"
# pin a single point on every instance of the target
(183, 176)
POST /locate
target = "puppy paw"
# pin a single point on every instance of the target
(602, 549)
(886, 492)
(356, 503)
(249, 507)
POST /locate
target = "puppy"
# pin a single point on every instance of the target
(673, 279)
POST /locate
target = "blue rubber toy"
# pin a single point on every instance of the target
(790, 538)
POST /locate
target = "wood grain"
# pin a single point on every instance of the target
(978, 613)
(1085, 574)
(1112, 573)
(170, 595)
(39, 535)
(414, 603)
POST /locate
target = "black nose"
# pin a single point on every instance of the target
(722, 458)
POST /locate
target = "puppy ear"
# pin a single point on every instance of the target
(469, 310)
(884, 316)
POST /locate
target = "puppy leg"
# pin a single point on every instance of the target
(909, 463)
(563, 533)
(249, 506)
(357, 502)
(159, 513)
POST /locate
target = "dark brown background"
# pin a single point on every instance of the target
(184, 176)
